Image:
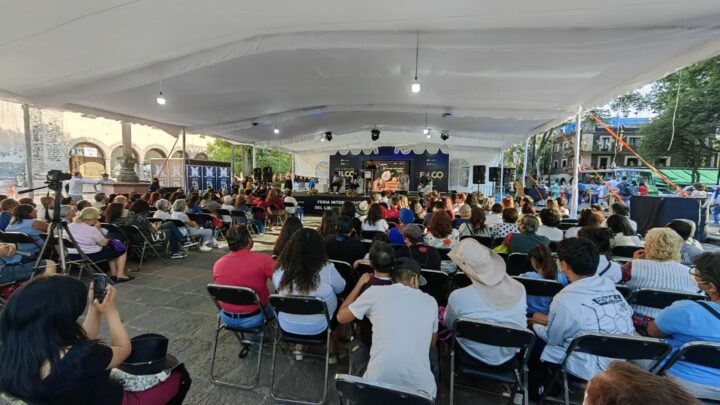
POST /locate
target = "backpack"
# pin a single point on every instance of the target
(624, 189)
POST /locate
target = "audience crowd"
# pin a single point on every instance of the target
(371, 263)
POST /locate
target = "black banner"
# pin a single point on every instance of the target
(315, 205)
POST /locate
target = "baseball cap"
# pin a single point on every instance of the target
(405, 263)
(413, 232)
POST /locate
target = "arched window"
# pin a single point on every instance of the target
(201, 156)
(88, 159)
(115, 161)
(459, 173)
(178, 154)
(151, 154)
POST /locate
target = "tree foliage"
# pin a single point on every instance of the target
(697, 118)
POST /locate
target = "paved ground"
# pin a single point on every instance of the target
(171, 299)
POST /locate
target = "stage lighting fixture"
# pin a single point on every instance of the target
(276, 131)
(426, 131)
(428, 136)
(161, 99)
(415, 86)
(445, 135)
(375, 134)
(328, 135)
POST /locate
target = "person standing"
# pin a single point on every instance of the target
(288, 182)
(404, 327)
(154, 185)
(336, 182)
(75, 186)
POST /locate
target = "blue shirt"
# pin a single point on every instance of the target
(312, 183)
(25, 226)
(687, 321)
(4, 220)
(541, 304)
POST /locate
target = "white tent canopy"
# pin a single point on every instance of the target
(237, 69)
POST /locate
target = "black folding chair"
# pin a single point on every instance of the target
(17, 237)
(443, 253)
(706, 354)
(459, 280)
(564, 226)
(418, 221)
(114, 231)
(300, 305)
(624, 290)
(624, 251)
(539, 288)
(514, 371)
(370, 235)
(348, 274)
(518, 263)
(237, 296)
(553, 245)
(138, 242)
(660, 298)
(240, 217)
(484, 240)
(613, 346)
(438, 285)
(361, 391)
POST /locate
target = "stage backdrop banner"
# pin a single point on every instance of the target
(387, 159)
(202, 174)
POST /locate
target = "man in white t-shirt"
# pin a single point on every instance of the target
(405, 325)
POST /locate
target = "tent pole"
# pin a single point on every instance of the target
(576, 167)
(502, 173)
(184, 163)
(254, 158)
(232, 160)
(28, 150)
(525, 162)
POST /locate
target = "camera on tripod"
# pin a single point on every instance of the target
(55, 178)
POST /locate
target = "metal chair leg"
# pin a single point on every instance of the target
(452, 375)
(257, 367)
(565, 387)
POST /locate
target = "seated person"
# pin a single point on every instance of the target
(24, 220)
(575, 310)
(15, 267)
(495, 216)
(588, 217)
(601, 238)
(622, 209)
(550, 220)
(374, 220)
(67, 213)
(101, 201)
(626, 383)
(405, 325)
(244, 268)
(687, 321)
(415, 248)
(343, 246)
(623, 233)
(492, 296)
(477, 224)
(441, 234)
(82, 204)
(193, 227)
(657, 267)
(303, 269)
(163, 209)
(394, 210)
(95, 245)
(545, 269)
(463, 216)
(57, 360)
(527, 238)
(508, 226)
(688, 251)
(136, 216)
(291, 204)
(395, 234)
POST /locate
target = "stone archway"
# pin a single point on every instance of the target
(87, 158)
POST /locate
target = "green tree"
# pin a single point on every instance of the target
(692, 96)
(220, 151)
(281, 162)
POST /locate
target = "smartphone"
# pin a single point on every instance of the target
(99, 285)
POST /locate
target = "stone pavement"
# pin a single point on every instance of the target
(171, 299)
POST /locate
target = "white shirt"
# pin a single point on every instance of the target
(331, 283)
(75, 186)
(551, 233)
(467, 303)
(572, 232)
(493, 219)
(380, 225)
(403, 322)
(164, 215)
(180, 215)
(614, 272)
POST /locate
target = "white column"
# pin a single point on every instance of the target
(28, 149)
(254, 159)
(525, 160)
(502, 173)
(576, 166)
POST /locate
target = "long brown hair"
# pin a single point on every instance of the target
(543, 257)
(301, 261)
(289, 228)
(271, 195)
(440, 224)
(477, 219)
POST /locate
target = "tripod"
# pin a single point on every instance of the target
(59, 229)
